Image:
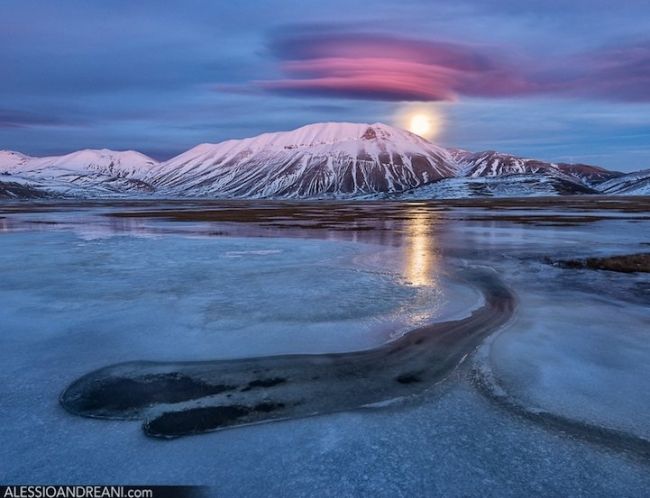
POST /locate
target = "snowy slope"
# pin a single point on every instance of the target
(319, 160)
(589, 175)
(20, 190)
(106, 162)
(637, 183)
(82, 173)
(11, 160)
(514, 185)
(78, 186)
(492, 163)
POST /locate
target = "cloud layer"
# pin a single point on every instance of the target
(381, 67)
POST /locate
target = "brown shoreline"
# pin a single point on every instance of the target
(622, 263)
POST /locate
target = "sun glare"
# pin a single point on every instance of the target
(420, 125)
(425, 121)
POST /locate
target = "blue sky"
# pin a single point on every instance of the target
(557, 80)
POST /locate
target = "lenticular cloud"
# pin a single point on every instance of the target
(381, 67)
(388, 68)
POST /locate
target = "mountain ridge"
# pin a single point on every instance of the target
(324, 159)
(321, 160)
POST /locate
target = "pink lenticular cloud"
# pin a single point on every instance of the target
(388, 68)
(379, 67)
(381, 78)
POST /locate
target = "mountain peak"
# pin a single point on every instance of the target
(320, 159)
(99, 161)
(10, 160)
(369, 134)
(332, 133)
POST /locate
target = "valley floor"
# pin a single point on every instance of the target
(553, 403)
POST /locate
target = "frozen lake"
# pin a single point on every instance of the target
(554, 402)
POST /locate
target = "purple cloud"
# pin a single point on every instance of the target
(380, 67)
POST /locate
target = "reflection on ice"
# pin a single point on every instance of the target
(422, 258)
(206, 297)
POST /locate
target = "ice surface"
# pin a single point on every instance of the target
(454, 444)
(201, 298)
(580, 345)
(580, 354)
(75, 299)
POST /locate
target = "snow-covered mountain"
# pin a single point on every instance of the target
(637, 183)
(319, 160)
(325, 160)
(492, 163)
(589, 175)
(512, 185)
(83, 173)
(127, 163)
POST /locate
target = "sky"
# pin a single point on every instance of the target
(555, 80)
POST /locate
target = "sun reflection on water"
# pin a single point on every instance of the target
(421, 258)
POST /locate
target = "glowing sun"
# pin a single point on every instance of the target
(425, 121)
(420, 125)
